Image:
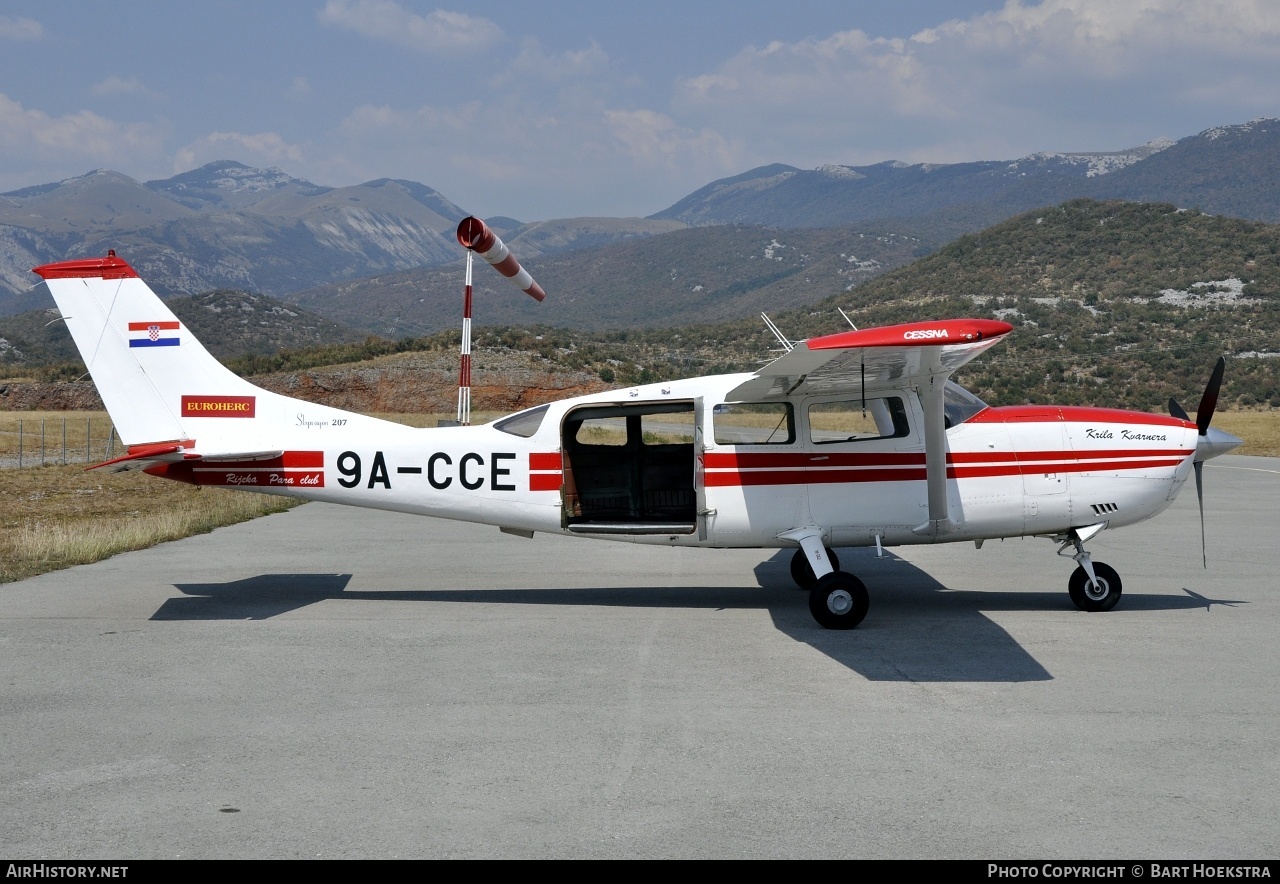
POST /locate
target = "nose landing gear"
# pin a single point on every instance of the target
(1093, 586)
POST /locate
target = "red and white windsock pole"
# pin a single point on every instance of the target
(475, 236)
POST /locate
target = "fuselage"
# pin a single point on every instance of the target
(673, 464)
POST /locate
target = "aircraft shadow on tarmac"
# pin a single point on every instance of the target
(918, 628)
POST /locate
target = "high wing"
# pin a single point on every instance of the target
(876, 359)
(920, 355)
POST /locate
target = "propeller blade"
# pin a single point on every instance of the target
(1209, 402)
(1176, 410)
(1204, 554)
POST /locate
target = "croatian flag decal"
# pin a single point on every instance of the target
(153, 334)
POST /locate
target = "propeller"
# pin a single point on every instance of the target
(1209, 444)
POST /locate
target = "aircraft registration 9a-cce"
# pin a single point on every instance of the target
(855, 439)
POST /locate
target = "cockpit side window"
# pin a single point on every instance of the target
(523, 423)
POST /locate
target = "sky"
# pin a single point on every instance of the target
(535, 109)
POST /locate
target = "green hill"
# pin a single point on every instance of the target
(1112, 302)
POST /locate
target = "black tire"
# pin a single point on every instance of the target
(1102, 597)
(838, 601)
(802, 571)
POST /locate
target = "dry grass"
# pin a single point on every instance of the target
(58, 516)
(79, 425)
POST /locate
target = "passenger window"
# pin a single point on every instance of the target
(753, 423)
(853, 420)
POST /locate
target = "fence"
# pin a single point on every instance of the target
(37, 441)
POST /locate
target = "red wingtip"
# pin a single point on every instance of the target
(109, 267)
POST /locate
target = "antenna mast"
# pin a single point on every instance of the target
(777, 333)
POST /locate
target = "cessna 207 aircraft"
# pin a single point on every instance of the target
(854, 439)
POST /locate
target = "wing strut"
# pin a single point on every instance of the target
(935, 454)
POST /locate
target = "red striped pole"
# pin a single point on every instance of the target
(464, 373)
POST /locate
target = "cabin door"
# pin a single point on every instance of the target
(633, 468)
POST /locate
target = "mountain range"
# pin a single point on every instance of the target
(1228, 170)
(226, 225)
(381, 255)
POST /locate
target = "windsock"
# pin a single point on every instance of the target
(475, 235)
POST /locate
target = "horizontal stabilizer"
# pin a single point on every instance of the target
(140, 457)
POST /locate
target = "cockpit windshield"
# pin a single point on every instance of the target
(959, 404)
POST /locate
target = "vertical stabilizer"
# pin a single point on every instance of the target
(149, 369)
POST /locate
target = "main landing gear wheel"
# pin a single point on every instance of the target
(838, 600)
(1103, 596)
(802, 571)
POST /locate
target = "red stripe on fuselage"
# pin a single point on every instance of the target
(545, 471)
(544, 460)
(812, 460)
(293, 459)
(728, 470)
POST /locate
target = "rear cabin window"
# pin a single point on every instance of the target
(753, 423)
(857, 420)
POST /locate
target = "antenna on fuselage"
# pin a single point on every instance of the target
(847, 319)
(777, 333)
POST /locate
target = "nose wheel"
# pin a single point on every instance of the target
(1100, 594)
(1093, 586)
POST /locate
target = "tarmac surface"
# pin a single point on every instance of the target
(334, 683)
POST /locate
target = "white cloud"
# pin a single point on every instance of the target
(122, 86)
(502, 153)
(259, 149)
(1059, 74)
(533, 61)
(20, 28)
(654, 139)
(36, 143)
(439, 32)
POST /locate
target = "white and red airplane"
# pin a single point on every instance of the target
(855, 439)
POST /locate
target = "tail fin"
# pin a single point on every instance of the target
(150, 371)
